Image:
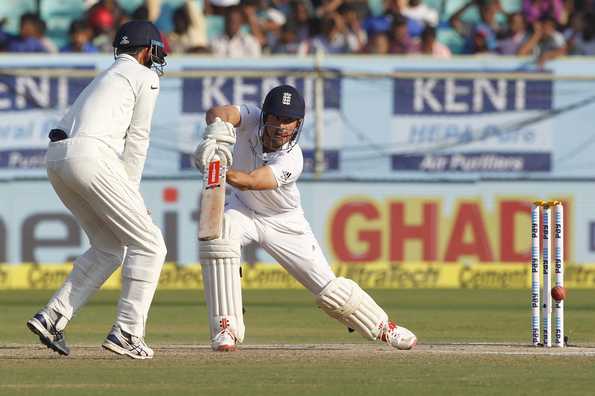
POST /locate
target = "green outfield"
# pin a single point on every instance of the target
(470, 342)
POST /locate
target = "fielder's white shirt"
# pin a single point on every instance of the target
(286, 166)
(116, 108)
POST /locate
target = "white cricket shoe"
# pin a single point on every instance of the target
(398, 336)
(224, 341)
(123, 343)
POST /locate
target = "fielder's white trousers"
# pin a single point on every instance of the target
(288, 239)
(91, 182)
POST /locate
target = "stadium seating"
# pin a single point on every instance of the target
(58, 14)
(11, 10)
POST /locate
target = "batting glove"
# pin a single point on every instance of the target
(221, 132)
(206, 150)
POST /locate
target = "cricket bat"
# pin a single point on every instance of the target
(212, 202)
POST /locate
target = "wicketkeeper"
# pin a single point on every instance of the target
(95, 160)
(262, 145)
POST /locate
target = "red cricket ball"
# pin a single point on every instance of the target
(558, 293)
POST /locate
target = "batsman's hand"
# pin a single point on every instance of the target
(221, 132)
(206, 150)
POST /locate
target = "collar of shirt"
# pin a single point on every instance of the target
(126, 57)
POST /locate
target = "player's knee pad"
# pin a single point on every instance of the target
(220, 262)
(345, 301)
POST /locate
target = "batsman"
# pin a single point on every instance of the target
(259, 148)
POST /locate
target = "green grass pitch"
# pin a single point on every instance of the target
(471, 342)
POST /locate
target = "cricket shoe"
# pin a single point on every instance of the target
(123, 343)
(224, 341)
(398, 336)
(49, 326)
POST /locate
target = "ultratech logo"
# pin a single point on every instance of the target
(392, 276)
(43, 278)
(3, 278)
(178, 277)
(580, 276)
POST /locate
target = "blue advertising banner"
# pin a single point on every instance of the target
(29, 107)
(200, 94)
(469, 125)
(372, 128)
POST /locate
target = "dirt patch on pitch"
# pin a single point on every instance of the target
(305, 352)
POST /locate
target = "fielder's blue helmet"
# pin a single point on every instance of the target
(137, 34)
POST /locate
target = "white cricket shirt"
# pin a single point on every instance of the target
(286, 166)
(116, 108)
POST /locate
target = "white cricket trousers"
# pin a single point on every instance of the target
(91, 182)
(288, 239)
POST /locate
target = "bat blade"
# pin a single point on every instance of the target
(212, 202)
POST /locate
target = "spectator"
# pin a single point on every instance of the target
(378, 43)
(481, 41)
(416, 10)
(546, 43)
(515, 37)
(114, 7)
(326, 8)
(48, 44)
(580, 37)
(535, 10)
(430, 46)
(219, 7)
(271, 24)
(161, 13)
(103, 23)
(31, 36)
(235, 43)
(300, 15)
(190, 29)
(284, 5)
(288, 42)
(330, 40)
(150, 11)
(479, 36)
(401, 41)
(356, 35)
(383, 22)
(80, 38)
(250, 8)
(394, 7)
(552, 44)
(5, 37)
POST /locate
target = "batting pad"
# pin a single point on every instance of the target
(220, 262)
(345, 301)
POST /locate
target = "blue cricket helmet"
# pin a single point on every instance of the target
(139, 34)
(283, 101)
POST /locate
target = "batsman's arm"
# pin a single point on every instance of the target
(227, 113)
(259, 179)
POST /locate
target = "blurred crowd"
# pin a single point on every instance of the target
(544, 29)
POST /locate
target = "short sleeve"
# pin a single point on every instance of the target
(249, 118)
(287, 168)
